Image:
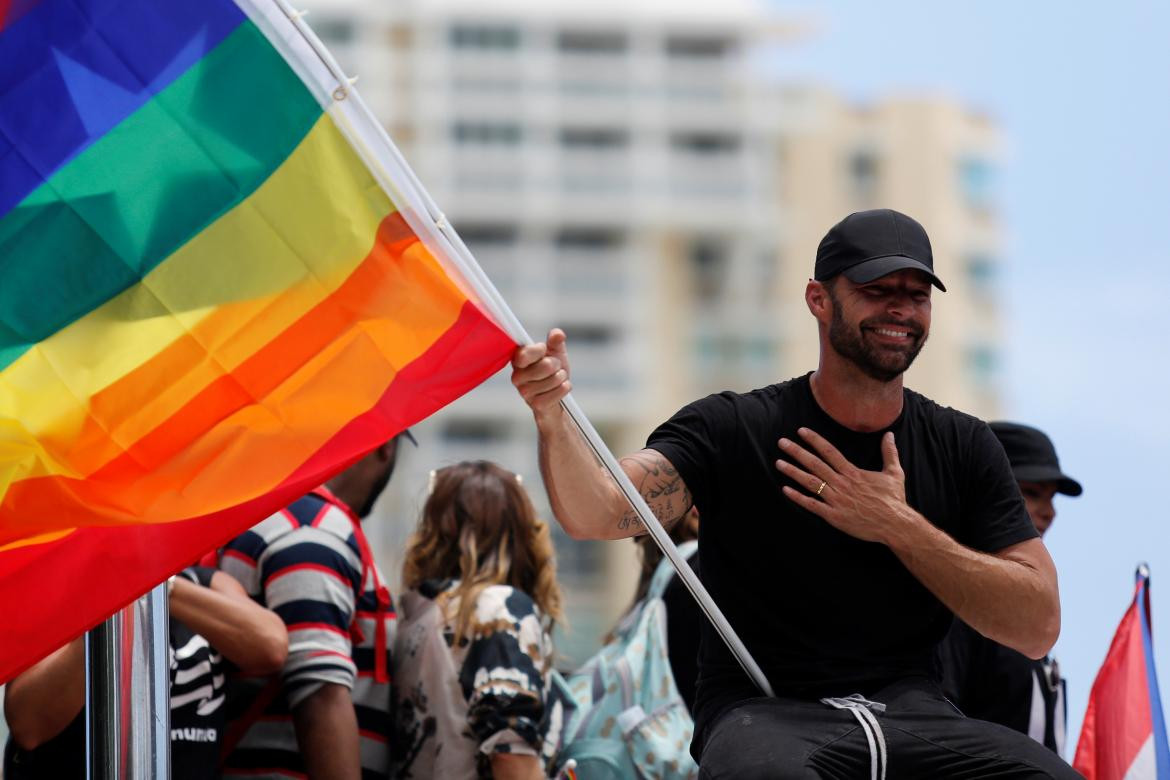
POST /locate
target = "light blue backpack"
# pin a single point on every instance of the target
(630, 721)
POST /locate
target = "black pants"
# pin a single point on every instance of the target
(926, 737)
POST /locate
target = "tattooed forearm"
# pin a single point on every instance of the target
(660, 485)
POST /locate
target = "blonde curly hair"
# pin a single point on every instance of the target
(479, 526)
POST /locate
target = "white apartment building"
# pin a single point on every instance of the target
(625, 172)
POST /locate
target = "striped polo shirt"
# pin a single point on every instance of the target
(310, 563)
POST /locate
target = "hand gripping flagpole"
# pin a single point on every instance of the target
(286, 29)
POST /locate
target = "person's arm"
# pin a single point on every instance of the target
(313, 583)
(250, 636)
(327, 734)
(585, 499)
(41, 701)
(506, 766)
(1009, 596)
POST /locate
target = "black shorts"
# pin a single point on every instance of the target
(925, 736)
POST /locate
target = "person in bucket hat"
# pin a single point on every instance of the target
(985, 679)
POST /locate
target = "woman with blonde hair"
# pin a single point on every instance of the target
(474, 648)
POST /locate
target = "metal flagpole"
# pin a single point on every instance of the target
(127, 697)
(287, 30)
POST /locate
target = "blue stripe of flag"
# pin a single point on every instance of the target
(1157, 721)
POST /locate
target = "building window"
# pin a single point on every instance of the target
(480, 85)
(705, 144)
(977, 182)
(982, 273)
(490, 133)
(473, 36)
(591, 42)
(709, 261)
(594, 138)
(704, 47)
(589, 239)
(983, 364)
(593, 87)
(485, 235)
(591, 335)
(472, 431)
(334, 32)
(759, 351)
(863, 176)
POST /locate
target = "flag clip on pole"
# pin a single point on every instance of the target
(127, 713)
(287, 30)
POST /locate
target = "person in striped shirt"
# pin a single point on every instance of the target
(327, 714)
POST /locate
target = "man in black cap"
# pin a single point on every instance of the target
(985, 679)
(845, 518)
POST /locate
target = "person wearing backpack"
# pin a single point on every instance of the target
(684, 619)
(473, 661)
(846, 521)
(630, 719)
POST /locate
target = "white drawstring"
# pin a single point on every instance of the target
(864, 710)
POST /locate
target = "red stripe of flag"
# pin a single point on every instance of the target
(118, 564)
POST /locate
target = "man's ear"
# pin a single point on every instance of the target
(816, 295)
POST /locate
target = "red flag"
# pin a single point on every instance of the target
(1123, 736)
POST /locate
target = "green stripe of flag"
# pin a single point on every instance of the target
(169, 170)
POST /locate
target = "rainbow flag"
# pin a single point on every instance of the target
(1124, 734)
(221, 287)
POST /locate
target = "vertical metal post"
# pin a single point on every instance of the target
(127, 675)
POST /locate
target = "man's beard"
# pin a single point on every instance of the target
(883, 365)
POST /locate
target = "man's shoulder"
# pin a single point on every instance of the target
(766, 398)
(311, 515)
(311, 519)
(937, 414)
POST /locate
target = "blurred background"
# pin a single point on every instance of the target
(646, 176)
(653, 176)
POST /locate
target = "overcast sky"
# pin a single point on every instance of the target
(1082, 95)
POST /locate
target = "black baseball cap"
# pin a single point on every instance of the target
(1032, 456)
(867, 245)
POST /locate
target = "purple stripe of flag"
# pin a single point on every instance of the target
(87, 65)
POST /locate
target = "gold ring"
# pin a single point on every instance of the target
(822, 487)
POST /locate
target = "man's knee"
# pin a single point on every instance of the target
(969, 748)
(763, 741)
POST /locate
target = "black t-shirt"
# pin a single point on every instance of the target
(197, 715)
(824, 613)
(684, 623)
(991, 682)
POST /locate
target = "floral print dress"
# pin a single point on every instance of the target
(458, 704)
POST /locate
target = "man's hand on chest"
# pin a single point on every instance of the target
(868, 505)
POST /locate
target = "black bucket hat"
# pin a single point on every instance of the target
(1032, 456)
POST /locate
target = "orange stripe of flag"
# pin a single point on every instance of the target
(273, 392)
(120, 563)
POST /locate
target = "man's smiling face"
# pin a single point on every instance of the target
(880, 326)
